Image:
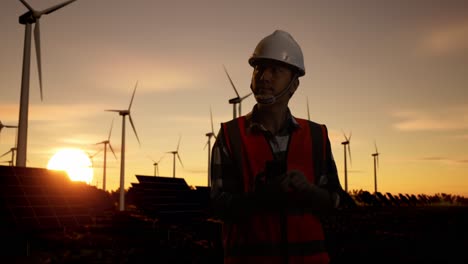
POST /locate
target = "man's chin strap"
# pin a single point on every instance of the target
(271, 99)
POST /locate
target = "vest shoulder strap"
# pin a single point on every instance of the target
(319, 135)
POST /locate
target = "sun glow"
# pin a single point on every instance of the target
(75, 162)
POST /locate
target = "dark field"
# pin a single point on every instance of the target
(437, 234)
(167, 221)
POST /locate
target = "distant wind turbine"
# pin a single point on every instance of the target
(376, 165)
(156, 165)
(12, 151)
(27, 19)
(175, 153)
(346, 144)
(208, 143)
(91, 156)
(106, 142)
(124, 113)
(236, 100)
(6, 126)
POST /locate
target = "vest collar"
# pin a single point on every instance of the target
(253, 126)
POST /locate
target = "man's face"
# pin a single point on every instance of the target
(269, 78)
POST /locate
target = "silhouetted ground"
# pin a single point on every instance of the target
(364, 234)
(46, 218)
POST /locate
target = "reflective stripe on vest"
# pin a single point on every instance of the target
(260, 235)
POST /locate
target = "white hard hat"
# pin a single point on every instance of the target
(279, 46)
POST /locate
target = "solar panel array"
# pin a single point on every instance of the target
(169, 199)
(33, 199)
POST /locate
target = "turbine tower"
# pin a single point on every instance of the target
(124, 113)
(106, 142)
(27, 19)
(175, 153)
(236, 100)
(346, 144)
(208, 143)
(6, 126)
(376, 165)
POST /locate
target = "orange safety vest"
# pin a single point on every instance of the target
(292, 236)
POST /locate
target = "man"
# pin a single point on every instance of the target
(273, 175)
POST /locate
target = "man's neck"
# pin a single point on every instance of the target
(272, 117)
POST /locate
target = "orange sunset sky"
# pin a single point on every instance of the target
(393, 72)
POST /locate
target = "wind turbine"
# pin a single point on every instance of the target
(6, 126)
(346, 144)
(12, 151)
(156, 164)
(376, 164)
(27, 19)
(124, 113)
(208, 143)
(236, 100)
(106, 142)
(91, 156)
(175, 153)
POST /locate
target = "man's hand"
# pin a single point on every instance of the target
(299, 182)
(277, 184)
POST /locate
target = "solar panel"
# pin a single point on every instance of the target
(168, 199)
(37, 199)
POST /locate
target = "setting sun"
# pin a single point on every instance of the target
(75, 162)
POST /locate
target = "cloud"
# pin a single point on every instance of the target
(152, 74)
(444, 159)
(63, 112)
(39, 112)
(441, 119)
(446, 40)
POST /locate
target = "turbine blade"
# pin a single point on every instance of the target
(178, 143)
(149, 157)
(178, 157)
(211, 119)
(110, 131)
(37, 42)
(377, 160)
(58, 6)
(110, 146)
(349, 153)
(308, 113)
(230, 80)
(133, 95)
(245, 96)
(6, 153)
(134, 130)
(92, 156)
(344, 135)
(206, 144)
(240, 109)
(113, 110)
(27, 5)
(350, 133)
